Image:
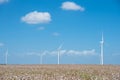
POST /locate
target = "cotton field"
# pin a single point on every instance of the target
(59, 72)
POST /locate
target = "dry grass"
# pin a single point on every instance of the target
(59, 72)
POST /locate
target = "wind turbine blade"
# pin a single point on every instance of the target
(44, 53)
(60, 46)
(41, 56)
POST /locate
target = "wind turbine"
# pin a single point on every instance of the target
(6, 57)
(102, 50)
(41, 57)
(59, 48)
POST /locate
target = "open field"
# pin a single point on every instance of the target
(59, 72)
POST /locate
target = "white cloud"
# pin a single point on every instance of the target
(71, 6)
(74, 52)
(36, 17)
(36, 53)
(1, 44)
(3, 1)
(41, 28)
(85, 52)
(56, 34)
(62, 52)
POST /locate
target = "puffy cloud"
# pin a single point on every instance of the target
(63, 52)
(31, 53)
(36, 53)
(1, 44)
(3, 1)
(71, 6)
(85, 52)
(36, 17)
(74, 52)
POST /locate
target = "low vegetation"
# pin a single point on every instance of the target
(59, 72)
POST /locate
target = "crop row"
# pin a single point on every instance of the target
(59, 72)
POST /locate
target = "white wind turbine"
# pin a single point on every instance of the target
(6, 57)
(102, 50)
(41, 57)
(59, 48)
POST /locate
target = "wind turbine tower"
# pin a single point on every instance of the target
(41, 57)
(6, 56)
(59, 48)
(102, 50)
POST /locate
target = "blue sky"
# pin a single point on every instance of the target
(30, 28)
